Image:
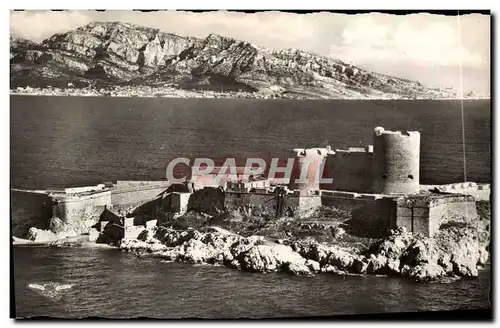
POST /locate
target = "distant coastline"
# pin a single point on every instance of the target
(159, 92)
(115, 59)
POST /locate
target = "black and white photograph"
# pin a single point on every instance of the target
(225, 164)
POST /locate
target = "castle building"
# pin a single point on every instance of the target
(379, 185)
(390, 166)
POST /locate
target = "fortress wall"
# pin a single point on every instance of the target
(236, 200)
(206, 180)
(364, 209)
(262, 199)
(127, 184)
(404, 217)
(414, 219)
(465, 209)
(482, 194)
(478, 191)
(421, 220)
(413, 213)
(396, 162)
(136, 195)
(76, 208)
(251, 203)
(264, 203)
(207, 200)
(328, 170)
(420, 215)
(29, 209)
(350, 170)
(77, 190)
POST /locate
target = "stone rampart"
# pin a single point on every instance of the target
(351, 170)
(134, 193)
(73, 208)
(29, 209)
(375, 212)
(255, 203)
(478, 191)
(425, 214)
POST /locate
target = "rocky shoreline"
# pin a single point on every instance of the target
(322, 244)
(455, 253)
(145, 92)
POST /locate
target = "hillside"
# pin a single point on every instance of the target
(106, 55)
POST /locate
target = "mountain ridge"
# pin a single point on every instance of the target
(111, 54)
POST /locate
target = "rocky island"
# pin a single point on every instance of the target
(122, 59)
(319, 244)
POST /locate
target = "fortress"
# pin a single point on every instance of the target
(80, 206)
(377, 184)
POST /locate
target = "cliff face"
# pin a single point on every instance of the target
(122, 53)
(18, 45)
(110, 52)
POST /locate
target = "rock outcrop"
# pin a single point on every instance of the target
(112, 53)
(59, 230)
(452, 253)
(243, 253)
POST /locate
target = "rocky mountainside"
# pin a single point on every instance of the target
(18, 44)
(115, 53)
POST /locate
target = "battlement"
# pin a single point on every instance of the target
(464, 186)
(478, 191)
(354, 150)
(396, 162)
(350, 169)
(380, 131)
(307, 152)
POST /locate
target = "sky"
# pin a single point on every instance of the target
(433, 49)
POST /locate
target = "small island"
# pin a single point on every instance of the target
(372, 216)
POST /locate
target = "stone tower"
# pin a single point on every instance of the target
(315, 157)
(396, 162)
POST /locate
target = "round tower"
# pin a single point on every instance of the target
(310, 161)
(396, 162)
